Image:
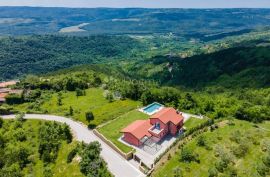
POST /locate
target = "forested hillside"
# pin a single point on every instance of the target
(40, 54)
(234, 67)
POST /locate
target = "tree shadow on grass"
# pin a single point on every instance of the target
(92, 126)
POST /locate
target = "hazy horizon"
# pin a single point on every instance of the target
(140, 3)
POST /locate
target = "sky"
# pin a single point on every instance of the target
(141, 3)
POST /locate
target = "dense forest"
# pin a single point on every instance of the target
(234, 67)
(41, 54)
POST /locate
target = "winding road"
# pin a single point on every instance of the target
(118, 166)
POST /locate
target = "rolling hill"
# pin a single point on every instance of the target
(204, 24)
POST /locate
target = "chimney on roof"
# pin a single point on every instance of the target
(178, 112)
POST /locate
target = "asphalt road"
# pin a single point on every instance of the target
(118, 166)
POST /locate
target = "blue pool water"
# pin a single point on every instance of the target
(152, 108)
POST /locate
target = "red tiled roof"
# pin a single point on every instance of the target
(6, 84)
(3, 95)
(168, 115)
(139, 128)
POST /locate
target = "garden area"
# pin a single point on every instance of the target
(193, 122)
(112, 130)
(235, 148)
(68, 103)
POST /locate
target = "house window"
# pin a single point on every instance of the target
(157, 125)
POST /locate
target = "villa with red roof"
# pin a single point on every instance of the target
(164, 122)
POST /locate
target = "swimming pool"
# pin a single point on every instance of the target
(152, 108)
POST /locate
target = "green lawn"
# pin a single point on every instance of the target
(193, 122)
(36, 167)
(93, 101)
(245, 166)
(112, 129)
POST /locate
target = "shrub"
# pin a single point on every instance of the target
(201, 141)
(20, 135)
(262, 169)
(177, 172)
(220, 165)
(169, 157)
(266, 160)
(5, 110)
(80, 92)
(231, 171)
(240, 150)
(188, 156)
(71, 155)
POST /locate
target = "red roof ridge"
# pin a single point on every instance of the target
(138, 128)
(168, 114)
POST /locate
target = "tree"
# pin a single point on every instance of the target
(79, 92)
(147, 97)
(91, 163)
(212, 172)
(97, 80)
(1, 122)
(12, 170)
(187, 155)
(209, 107)
(109, 97)
(20, 117)
(5, 110)
(71, 111)
(72, 154)
(177, 172)
(2, 142)
(50, 135)
(89, 116)
(14, 99)
(59, 99)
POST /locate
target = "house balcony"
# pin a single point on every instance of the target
(156, 131)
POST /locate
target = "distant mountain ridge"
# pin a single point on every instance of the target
(205, 24)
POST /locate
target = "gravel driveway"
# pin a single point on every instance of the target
(119, 166)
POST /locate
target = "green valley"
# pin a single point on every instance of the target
(207, 69)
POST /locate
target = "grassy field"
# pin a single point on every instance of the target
(246, 166)
(112, 129)
(193, 122)
(93, 101)
(36, 167)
